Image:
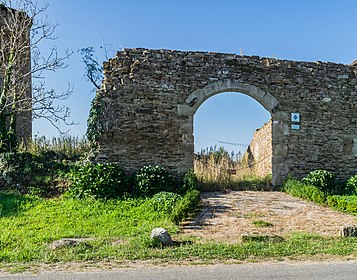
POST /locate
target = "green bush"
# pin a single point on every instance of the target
(343, 203)
(150, 180)
(186, 206)
(165, 202)
(322, 179)
(352, 184)
(42, 171)
(189, 182)
(308, 192)
(98, 180)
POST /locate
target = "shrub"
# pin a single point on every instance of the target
(25, 171)
(308, 192)
(99, 181)
(150, 180)
(322, 179)
(352, 184)
(186, 206)
(343, 203)
(189, 182)
(165, 202)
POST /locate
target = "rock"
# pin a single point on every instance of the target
(348, 230)
(68, 242)
(162, 236)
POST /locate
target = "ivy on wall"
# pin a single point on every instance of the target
(94, 127)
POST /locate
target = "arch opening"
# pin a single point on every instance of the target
(269, 102)
(232, 140)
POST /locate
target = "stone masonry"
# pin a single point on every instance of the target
(24, 117)
(146, 105)
(260, 151)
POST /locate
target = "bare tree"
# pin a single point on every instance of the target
(22, 28)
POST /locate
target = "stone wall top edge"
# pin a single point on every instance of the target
(255, 57)
(4, 11)
(4, 8)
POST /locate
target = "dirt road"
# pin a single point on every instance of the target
(228, 216)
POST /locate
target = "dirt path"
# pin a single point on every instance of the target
(228, 216)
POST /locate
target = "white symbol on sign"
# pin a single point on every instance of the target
(295, 117)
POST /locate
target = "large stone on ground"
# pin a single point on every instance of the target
(69, 242)
(162, 236)
(348, 230)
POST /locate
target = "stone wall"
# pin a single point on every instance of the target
(260, 150)
(24, 117)
(143, 113)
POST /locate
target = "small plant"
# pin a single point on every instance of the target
(262, 238)
(189, 181)
(322, 179)
(261, 223)
(150, 180)
(249, 215)
(99, 181)
(352, 184)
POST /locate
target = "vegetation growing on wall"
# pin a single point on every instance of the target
(95, 128)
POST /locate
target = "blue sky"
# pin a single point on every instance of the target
(303, 30)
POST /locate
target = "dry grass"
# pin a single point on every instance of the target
(215, 174)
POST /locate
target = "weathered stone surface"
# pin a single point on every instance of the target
(162, 236)
(24, 117)
(173, 84)
(68, 242)
(348, 230)
(260, 151)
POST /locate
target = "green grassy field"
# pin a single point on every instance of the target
(30, 224)
(121, 231)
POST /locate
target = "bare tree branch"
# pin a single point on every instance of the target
(22, 28)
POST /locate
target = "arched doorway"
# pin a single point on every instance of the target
(232, 141)
(268, 101)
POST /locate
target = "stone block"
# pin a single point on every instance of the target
(161, 236)
(348, 230)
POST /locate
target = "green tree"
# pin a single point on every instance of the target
(93, 71)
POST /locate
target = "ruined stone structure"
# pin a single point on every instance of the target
(9, 16)
(260, 150)
(144, 112)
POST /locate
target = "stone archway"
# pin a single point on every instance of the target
(143, 113)
(268, 101)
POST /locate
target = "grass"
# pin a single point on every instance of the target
(249, 215)
(261, 223)
(70, 146)
(121, 230)
(29, 224)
